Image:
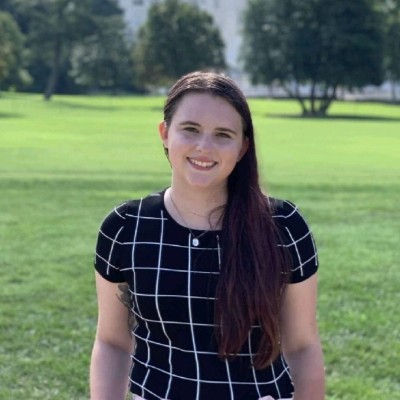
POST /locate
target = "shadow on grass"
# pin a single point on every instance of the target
(98, 182)
(344, 117)
(92, 107)
(151, 181)
(67, 104)
(378, 101)
(10, 115)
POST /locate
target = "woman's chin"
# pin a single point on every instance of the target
(204, 183)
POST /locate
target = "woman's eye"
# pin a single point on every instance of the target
(223, 135)
(191, 129)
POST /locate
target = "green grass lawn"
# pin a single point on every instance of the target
(64, 164)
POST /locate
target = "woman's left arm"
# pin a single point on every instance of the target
(301, 344)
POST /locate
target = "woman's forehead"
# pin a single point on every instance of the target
(203, 105)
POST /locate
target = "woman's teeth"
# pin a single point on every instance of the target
(203, 164)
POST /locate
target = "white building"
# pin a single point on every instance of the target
(227, 15)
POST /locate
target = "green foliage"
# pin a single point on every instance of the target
(6, 6)
(56, 25)
(313, 42)
(64, 164)
(391, 10)
(176, 39)
(103, 61)
(75, 44)
(11, 48)
(393, 50)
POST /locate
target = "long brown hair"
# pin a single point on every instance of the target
(254, 269)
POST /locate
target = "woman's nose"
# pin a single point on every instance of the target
(204, 142)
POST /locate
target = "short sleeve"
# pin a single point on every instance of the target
(110, 247)
(298, 240)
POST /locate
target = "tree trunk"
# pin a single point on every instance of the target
(55, 71)
(303, 106)
(300, 99)
(296, 96)
(393, 90)
(327, 101)
(312, 99)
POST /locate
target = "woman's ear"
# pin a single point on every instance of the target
(163, 131)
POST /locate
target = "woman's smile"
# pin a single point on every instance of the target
(202, 164)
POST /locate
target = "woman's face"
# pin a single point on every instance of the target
(205, 141)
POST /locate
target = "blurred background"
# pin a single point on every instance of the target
(310, 49)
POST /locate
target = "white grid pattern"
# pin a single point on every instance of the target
(172, 286)
(192, 330)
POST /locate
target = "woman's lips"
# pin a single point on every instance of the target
(202, 164)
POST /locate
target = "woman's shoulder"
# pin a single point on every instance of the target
(297, 237)
(132, 209)
(288, 215)
(283, 209)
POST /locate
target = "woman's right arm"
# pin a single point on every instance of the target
(111, 361)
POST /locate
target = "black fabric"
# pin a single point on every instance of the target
(172, 286)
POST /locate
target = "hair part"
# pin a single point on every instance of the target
(254, 269)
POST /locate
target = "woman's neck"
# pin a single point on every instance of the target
(196, 209)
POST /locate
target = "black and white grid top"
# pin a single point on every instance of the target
(172, 286)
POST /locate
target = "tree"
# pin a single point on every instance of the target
(104, 61)
(11, 47)
(54, 27)
(392, 43)
(176, 39)
(314, 46)
(7, 6)
(62, 31)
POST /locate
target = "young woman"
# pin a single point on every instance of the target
(219, 278)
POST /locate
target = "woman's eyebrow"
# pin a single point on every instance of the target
(220, 129)
(189, 123)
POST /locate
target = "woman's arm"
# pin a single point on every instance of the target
(300, 340)
(111, 362)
